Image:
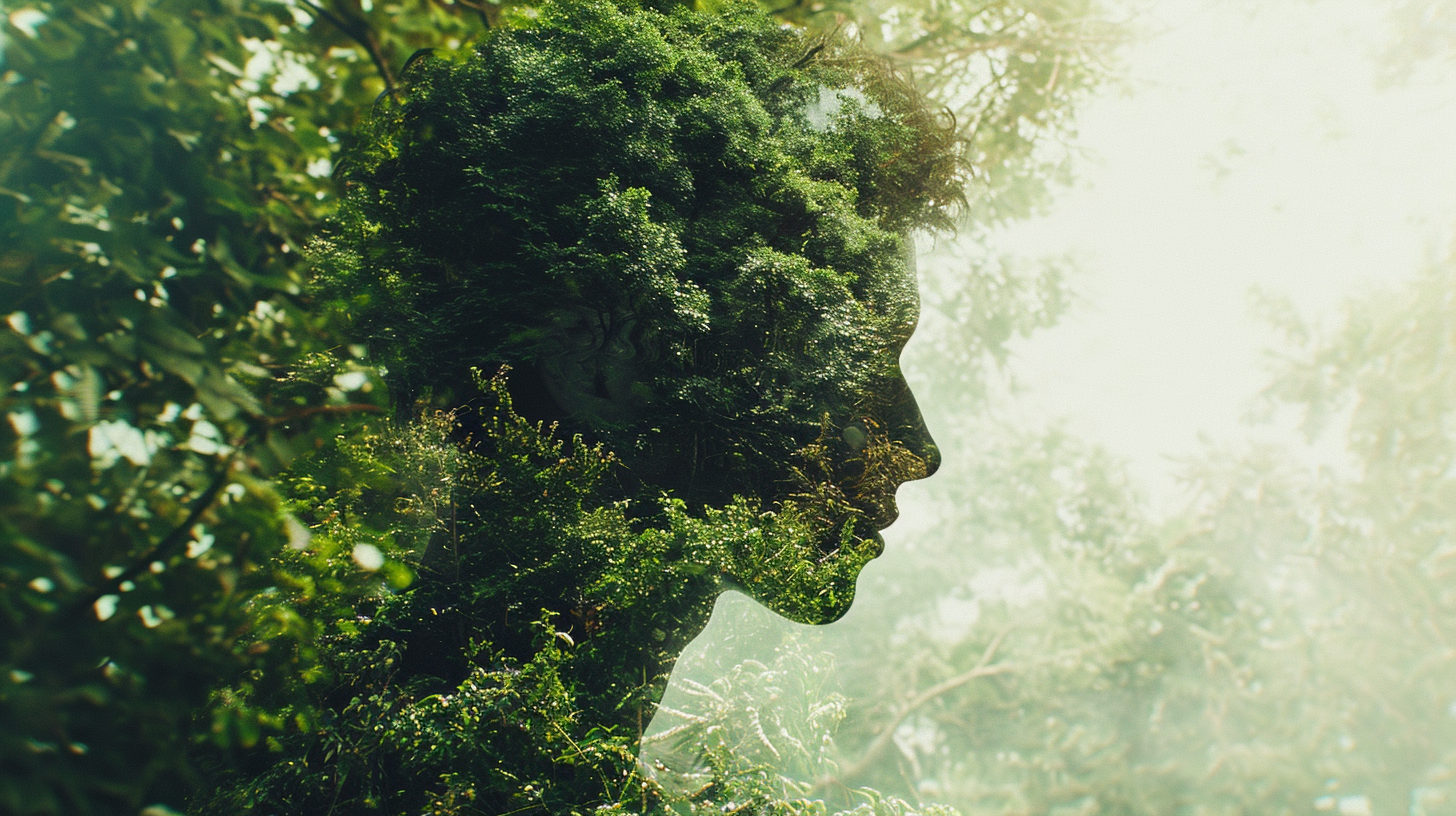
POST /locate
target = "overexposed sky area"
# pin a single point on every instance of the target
(1254, 147)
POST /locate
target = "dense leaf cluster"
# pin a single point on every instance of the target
(521, 671)
(162, 166)
(144, 246)
(728, 195)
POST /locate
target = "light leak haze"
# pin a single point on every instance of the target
(1255, 148)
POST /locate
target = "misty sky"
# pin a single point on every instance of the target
(1254, 148)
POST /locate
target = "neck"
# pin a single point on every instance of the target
(614, 649)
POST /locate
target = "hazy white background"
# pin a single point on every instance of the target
(1254, 147)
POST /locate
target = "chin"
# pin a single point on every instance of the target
(828, 594)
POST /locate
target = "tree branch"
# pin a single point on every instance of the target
(162, 548)
(314, 410)
(887, 734)
(359, 31)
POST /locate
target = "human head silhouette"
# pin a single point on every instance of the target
(688, 241)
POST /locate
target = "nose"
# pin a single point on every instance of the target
(919, 441)
(929, 451)
(907, 426)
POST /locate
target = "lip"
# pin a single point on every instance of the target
(892, 512)
(879, 514)
(874, 481)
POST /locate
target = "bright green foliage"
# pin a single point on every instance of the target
(162, 165)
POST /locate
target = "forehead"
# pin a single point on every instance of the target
(892, 292)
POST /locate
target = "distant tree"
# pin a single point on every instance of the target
(1366, 567)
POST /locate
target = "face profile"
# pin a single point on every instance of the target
(689, 243)
(840, 453)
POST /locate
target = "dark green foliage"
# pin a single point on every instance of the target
(522, 668)
(464, 694)
(147, 164)
(161, 165)
(731, 194)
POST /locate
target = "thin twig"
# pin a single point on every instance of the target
(162, 548)
(314, 410)
(1056, 71)
(359, 31)
(887, 734)
(804, 60)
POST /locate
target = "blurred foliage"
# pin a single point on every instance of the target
(1419, 32)
(975, 303)
(163, 163)
(1010, 75)
(773, 725)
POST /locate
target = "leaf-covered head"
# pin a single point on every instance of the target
(686, 233)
